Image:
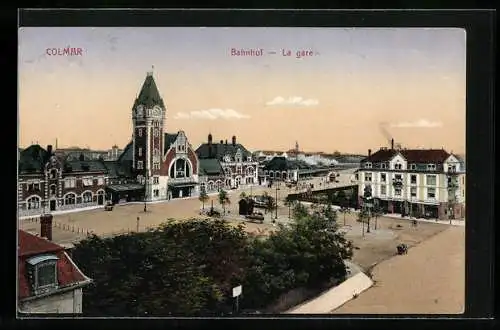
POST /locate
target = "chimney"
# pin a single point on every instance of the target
(46, 226)
(226, 141)
(209, 138)
(369, 152)
(221, 141)
(234, 140)
(49, 149)
(392, 144)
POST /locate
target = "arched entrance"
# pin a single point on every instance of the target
(100, 197)
(52, 204)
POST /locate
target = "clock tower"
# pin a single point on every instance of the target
(148, 117)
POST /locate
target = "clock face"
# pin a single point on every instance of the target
(156, 111)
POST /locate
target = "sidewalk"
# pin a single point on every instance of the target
(83, 209)
(335, 297)
(454, 222)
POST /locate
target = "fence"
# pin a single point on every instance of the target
(62, 226)
(89, 232)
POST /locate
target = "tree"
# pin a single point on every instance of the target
(203, 198)
(377, 212)
(344, 209)
(341, 198)
(181, 268)
(363, 217)
(290, 203)
(224, 200)
(243, 195)
(270, 204)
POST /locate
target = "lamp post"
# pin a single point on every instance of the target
(276, 201)
(452, 186)
(367, 197)
(145, 193)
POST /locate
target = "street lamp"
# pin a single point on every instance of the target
(276, 201)
(452, 186)
(145, 193)
(367, 197)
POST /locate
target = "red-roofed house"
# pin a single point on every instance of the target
(49, 281)
(419, 182)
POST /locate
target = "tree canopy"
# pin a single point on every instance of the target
(190, 267)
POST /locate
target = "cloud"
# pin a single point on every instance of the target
(294, 100)
(422, 123)
(212, 114)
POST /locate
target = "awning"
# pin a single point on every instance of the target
(125, 187)
(182, 184)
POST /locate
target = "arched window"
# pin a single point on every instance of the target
(227, 170)
(53, 174)
(180, 169)
(238, 181)
(203, 187)
(210, 185)
(87, 197)
(33, 203)
(53, 189)
(218, 185)
(284, 175)
(249, 171)
(271, 174)
(70, 199)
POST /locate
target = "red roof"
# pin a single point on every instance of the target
(29, 245)
(411, 155)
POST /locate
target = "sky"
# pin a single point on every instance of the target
(355, 84)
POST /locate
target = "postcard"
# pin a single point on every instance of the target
(222, 171)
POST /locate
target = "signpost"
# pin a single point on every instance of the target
(236, 294)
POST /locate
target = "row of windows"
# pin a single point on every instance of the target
(399, 166)
(156, 131)
(68, 183)
(239, 170)
(429, 179)
(34, 202)
(237, 159)
(431, 192)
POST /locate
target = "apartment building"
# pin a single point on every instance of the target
(422, 183)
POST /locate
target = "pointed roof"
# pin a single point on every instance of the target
(149, 95)
(33, 159)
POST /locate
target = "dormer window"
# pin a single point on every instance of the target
(431, 167)
(398, 166)
(249, 159)
(42, 272)
(383, 165)
(452, 168)
(368, 165)
(413, 166)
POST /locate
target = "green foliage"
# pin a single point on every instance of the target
(203, 198)
(224, 199)
(190, 267)
(243, 195)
